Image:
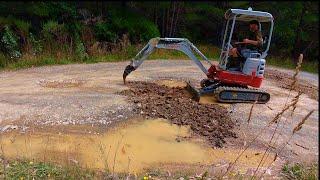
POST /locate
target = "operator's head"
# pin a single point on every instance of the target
(254, 25)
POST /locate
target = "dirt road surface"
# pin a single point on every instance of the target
(89, 94)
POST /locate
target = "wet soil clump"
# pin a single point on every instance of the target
(285, 80)
(175, 104)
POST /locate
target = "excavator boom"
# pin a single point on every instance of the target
(180, 44)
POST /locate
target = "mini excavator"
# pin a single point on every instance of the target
(228, 83)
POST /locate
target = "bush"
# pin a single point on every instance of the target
(51, 28)
(36, 45)
(20, 24)
(9, 43)
(138, 28)
(105, 32)
(3, 61)
(81, 51)
(55, 36)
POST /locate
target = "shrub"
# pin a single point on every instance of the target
(20, 24)
(138, 28)
(49, 28)
(36, 45)
(3, 61)
(9, 43)
(80, 50)
(105, 32)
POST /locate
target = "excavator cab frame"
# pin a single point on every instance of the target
(231, 17)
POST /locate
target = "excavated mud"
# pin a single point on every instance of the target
(174, 103)
(285, 80)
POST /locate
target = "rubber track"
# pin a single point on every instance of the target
(239, 89)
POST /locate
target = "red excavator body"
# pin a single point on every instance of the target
(234, 77)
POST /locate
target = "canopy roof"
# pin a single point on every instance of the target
(248, 15)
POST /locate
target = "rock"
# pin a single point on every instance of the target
(9, 127)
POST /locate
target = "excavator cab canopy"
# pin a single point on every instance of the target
(248, 15)
(234, 15)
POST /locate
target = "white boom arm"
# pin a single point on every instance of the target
(180, 44)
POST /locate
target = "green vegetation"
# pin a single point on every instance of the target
(299, 171)
(24, 169)
(307, 66)
(211, 52)
(46, 33)
(32, 170)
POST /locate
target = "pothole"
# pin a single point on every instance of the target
(125, 148)
(175, 104)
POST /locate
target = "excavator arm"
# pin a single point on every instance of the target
(180, 44)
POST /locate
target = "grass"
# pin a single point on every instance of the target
(300, 171)
(23, 169)
(307, 66)
(209, 51)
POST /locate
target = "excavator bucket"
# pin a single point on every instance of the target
(126, 72)
(193, 91)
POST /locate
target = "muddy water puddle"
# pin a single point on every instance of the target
(126, 148)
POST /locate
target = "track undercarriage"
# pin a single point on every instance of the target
(228, 94)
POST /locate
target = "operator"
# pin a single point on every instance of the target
(252, 43)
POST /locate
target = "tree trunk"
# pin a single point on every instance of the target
(297, 41)
(176, 20)
(163, 18)
(252, 4)
(172, 18)
(167, 20)
(155, 16)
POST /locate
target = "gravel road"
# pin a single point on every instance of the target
(88, 94)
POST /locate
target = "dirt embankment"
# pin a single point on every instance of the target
(285, 80)
(155, 101)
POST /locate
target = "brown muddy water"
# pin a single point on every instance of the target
(126, 148)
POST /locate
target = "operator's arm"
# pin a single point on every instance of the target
(258, 42)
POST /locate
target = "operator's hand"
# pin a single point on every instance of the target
(247, 41)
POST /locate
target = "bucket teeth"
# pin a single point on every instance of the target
(195, 93)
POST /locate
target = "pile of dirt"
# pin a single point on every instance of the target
(175, 104)
(285, 80)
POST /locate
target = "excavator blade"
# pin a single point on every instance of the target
(126, 72)
(195, 92)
